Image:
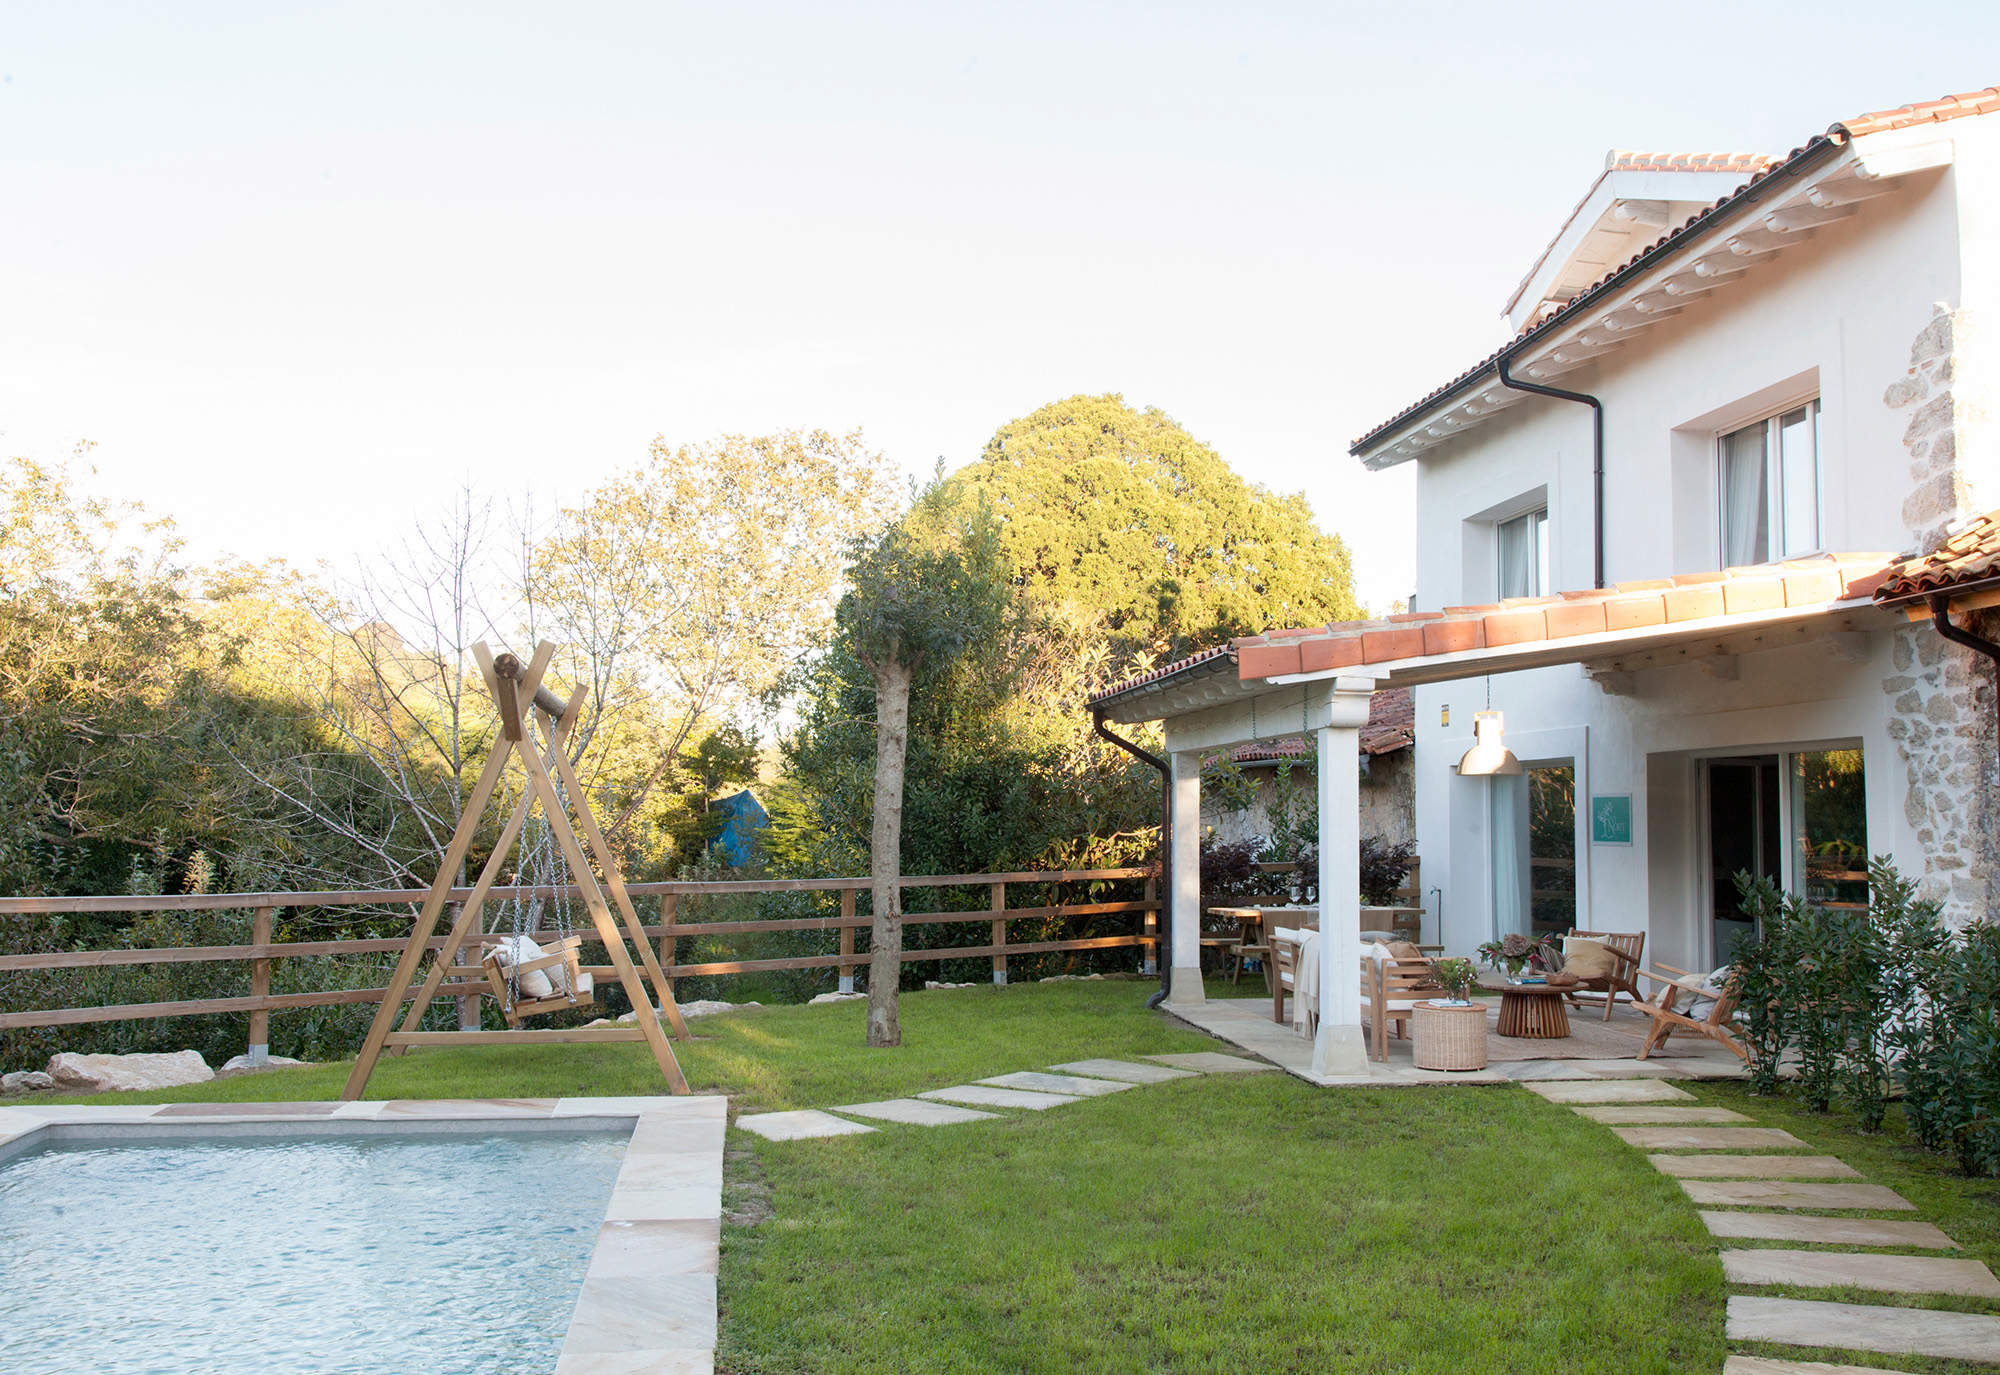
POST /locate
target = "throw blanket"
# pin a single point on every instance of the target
(1305, 996)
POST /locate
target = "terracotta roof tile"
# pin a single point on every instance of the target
(1626, 160)
(1973, 554)
(1969, 554)
(1950, 107)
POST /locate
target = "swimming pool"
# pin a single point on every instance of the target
(456, 1254)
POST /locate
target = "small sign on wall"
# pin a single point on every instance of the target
(1611, 820)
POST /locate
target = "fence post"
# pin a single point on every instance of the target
(1152, 927)
(260, 987)
(999, 931)
(846, 939)
(669, 908)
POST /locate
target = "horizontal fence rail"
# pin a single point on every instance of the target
(261, 951)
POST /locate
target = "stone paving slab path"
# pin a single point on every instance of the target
(1753, 1166)
(1124, 1070)
(1214, 1062)
(986, 1096)
(1838, 1269)
(1706, 1138)
(1608, 1091)
(1828, 1231)
(799, 1125)
(1656, 1115)
(915, 1112)
(1766, 1365)
(1036, 1082)
(1762, 1193)
(1865, 1327)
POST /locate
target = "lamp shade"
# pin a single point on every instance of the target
(1489, 756)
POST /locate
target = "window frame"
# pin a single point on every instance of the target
(1774, 481)
(1539, 560)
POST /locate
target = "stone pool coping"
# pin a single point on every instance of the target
(647, 1305)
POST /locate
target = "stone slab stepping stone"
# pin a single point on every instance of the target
(1213, 1062)
(1765, 1365)
(1828, 1231)
(986, 1096)
(799, 1125)
(1835, 1269)
(1753, 1167)
(1772, 1193)
(915, 1112)
(1864, 1327)
(1058, 1083)
(1125, 1070)
(1706, 1138)
(1657, 1114)
(1608, 1091)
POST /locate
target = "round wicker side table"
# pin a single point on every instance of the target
(1447, 1037)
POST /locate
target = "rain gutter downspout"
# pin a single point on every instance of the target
(1163, 948)
(1596, 458)
(1941, 621)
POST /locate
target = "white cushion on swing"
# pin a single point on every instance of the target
(513, 950)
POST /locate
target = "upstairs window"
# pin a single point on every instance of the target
(1770, 488)
(1524, 555)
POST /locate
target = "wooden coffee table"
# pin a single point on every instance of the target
(1532, 1012)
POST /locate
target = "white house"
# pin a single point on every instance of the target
(1659, 530)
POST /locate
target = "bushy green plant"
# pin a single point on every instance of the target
(1455, 976)
(1761, 965)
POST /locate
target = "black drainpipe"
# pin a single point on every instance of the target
(1596, 455)
(1163, 951)
(1941, 621)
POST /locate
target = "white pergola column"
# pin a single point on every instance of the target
(1184, 970)
(1340, 1047)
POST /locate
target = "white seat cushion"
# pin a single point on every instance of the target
(513, 950)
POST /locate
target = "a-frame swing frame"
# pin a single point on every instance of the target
(518, 693)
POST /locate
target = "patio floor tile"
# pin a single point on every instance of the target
(915, 1112)
(1705, 1138)
(1827, 1231)
(1058, 1083)
(1763, 1193)
(1753, 1167)
(1609, 1091)
(799, 1124)
(1864, 1327)
(1835, 1269)
(1125, 1070)
(1659, 1115)
(1213, 1062)
(986, 1096)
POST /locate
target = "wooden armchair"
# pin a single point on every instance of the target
(1390, 992)
(1674, 993)
(1626, 947)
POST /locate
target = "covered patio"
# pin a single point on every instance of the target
(1318, 681)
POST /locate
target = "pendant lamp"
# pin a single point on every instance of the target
(1489, 756)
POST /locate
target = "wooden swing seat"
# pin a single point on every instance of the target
(503, 979)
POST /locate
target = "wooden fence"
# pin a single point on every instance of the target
(261, 952)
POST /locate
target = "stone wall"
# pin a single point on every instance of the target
(1388, 800)
(1941, 718)
(1940, 433)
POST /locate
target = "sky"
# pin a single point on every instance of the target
(299, 273)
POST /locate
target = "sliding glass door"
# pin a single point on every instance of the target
(1799, 819)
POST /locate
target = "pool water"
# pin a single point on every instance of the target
(448, 1254)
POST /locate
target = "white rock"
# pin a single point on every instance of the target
(94, 1073)
(25, 1081)
(834, 998)
(709, 1007)
(934, 984)
(1072, 978)
(242, 1064)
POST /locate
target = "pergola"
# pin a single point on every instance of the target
(1318, 682)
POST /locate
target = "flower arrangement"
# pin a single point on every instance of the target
(1456, 978)
(1514, 952)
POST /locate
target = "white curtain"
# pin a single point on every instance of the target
(1745, 525)
(1517, 559)
(1509, 839)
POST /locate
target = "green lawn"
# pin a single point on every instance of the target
(1213, 1224)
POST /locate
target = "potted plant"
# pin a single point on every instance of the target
(1450, 1032)
(1521, 957)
